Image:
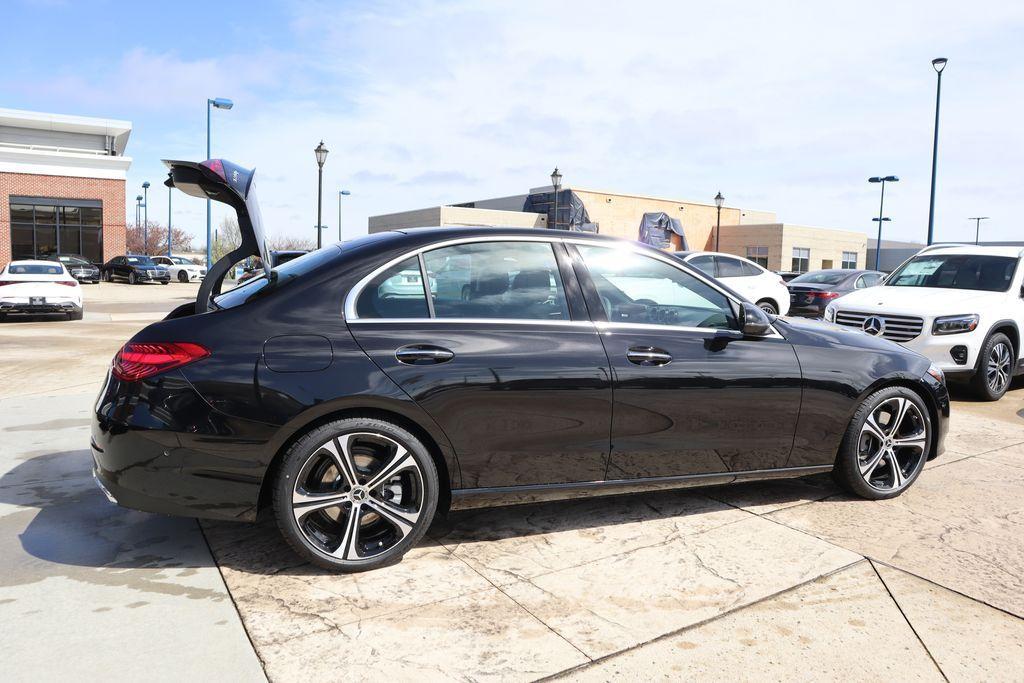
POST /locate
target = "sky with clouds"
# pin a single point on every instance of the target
(782, 106)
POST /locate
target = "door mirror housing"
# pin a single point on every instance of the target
(753, 321)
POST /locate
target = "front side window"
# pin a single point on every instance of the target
(758, 255)
(635, 288)
(496, 280)
(956, 271)
(849, 260)
(801, 260)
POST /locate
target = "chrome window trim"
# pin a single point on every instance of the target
(473, 321)
(353, 295)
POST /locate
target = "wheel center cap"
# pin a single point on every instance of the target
(359, 494)
(888, 442)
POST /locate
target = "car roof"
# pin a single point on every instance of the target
(979, 249)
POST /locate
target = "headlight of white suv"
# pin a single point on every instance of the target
(955, 324)
(830, 313)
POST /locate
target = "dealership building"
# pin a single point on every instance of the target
(62, 185)
(671, 224)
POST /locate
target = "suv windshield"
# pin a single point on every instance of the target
(956, 271)
(822, 277)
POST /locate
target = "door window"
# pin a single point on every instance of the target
(497, 280)
(705, 264)
(395, 293)
(730, 267)
(639, 289)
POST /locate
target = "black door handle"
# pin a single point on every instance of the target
(423, 354)
(648, 355)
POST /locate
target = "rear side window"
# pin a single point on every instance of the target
(729, 267)
(749, 269)
(506, 280)
(395, 293)
(705, 264)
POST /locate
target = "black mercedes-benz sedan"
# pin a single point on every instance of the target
(360, 389)
(134, 269)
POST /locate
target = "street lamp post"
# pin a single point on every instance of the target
(138, 211)
(881, 212)
(977, 227)
(719, 201)
(321, 157)
(938, 64)
(145, 220)
(168, 221)
(556, 183)
(341, 193)
(219, 103)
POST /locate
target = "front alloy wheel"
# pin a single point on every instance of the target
(995, 368)
(886, 444)
(358, 497)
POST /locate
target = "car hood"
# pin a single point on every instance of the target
(917, 301)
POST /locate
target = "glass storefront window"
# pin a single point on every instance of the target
(45, 227)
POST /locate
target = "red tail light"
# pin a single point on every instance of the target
(8, 282)
(826, 295)
(68, 283)
(217, 166)
(136, 361)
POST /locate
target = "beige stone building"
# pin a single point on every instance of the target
(745, 232)
(782, 246)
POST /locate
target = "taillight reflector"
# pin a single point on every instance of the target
(138, 360)
(217, 166)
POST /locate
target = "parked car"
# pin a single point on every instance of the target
(761, 286)
(80, 267)
(577, 363)
(180, 268)
(134, 269)
(959, 305)
(277, 258)
(810, 293)
(33, 287)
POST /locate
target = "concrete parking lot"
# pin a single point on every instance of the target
(759, 581)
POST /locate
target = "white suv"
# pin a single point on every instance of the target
(763, 287)
(959, 305)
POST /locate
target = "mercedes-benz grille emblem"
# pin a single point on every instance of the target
(874, 326)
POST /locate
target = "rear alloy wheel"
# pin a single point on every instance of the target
(768, 307)
(355, 494)
(995, 368)
(132, 279)
(886, 444)
(182, 276)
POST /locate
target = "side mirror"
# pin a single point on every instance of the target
(753, 321)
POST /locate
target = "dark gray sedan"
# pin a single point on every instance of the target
(810, 293)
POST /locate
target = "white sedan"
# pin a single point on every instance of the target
(39, 287)
(180, 268)
(745, 277)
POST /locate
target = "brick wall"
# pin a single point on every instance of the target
(109, 192)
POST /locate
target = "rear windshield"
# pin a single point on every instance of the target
(33, 269)
(279, 277)
(824, 277)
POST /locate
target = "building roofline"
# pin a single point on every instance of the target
(634, 195)
(67, 123)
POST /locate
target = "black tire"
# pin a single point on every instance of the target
(994, 371)
(166, 282)
(182, 276)
(105, 276)
(76, 315)
(768, 306)
(856, 450)
(319, 535)
(132, 279)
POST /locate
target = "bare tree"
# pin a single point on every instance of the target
(283, 243)
(153, 240)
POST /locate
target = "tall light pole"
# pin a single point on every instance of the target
(938, 64)
(719, 200)
(556, 183)
(881, 212)
(321, 156)
(219, 103)
(168, 221)
(145, 221)
(977, 227)
(341, 193)
(138, 211)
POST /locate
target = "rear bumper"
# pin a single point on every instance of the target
(23, 307)
(157, 446)
(807, 311)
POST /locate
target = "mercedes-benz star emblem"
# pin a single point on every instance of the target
(874, 326)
